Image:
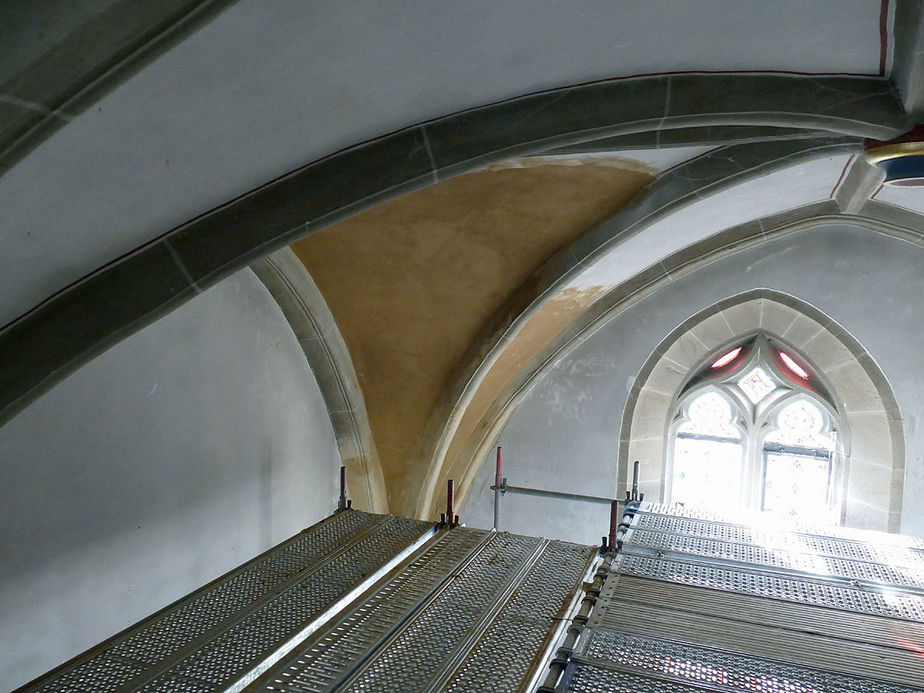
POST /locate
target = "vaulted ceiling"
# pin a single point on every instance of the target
(470, 185)
(412, 283)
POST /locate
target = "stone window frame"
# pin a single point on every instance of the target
(752, 419)
(874, 457)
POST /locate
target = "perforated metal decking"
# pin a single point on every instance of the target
(471, 611)
(213, 639)
(692, 602)
(358, 602)
(695, 602)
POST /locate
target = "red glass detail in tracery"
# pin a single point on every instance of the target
(727, 358)
(790, 363)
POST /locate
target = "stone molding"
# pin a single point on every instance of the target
(101, 54)
(670, 194)
(873, 443)
(307, 312)
(71, 327)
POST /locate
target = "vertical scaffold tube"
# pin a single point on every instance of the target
(498, 482)
(614, 523)
(635, 480)
(342, 503)
(450, 503)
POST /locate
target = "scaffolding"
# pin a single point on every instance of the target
(674, 599)
(694, 601)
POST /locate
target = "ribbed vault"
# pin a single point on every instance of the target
(412, 283)
(450, 297)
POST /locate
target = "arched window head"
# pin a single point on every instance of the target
(798, 461)
(709, 449)
(754, 427)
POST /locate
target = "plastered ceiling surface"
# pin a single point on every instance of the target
(413, 283)
(267, 87)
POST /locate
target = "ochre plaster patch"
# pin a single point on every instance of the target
(540, 330)
(412, 283)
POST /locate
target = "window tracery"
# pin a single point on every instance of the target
(755, 428)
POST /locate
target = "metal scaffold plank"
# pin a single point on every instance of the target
(434, 634)
(800, 559)
(719, 670)
(332, 654)
(586, 678)
(699, 601)
(443, 633)
(757, 518)
(511, 648)
(766, 531)
(885, 662)
(898, 605)
(684, 620)
(773, 538)
(209, 639)
(620, 593)
(471, 611)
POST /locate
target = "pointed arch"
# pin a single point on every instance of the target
(758, 422)
(306, 311)
(874, 452)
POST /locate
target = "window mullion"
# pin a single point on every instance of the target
(754, 464)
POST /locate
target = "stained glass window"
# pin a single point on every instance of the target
(801, 424)
(756, 384)
(708, 452)
(791, 364)
(749, 434)
(727, 358)
(710, 414)
(798, 459)
(797, 486)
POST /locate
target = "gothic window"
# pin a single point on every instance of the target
(755, 428)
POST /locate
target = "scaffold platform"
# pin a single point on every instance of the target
(683, 600)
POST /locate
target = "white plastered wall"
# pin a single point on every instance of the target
(173, 457)
(566, 432)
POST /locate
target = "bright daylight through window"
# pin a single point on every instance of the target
(755, 429)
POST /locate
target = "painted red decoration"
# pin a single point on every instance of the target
(727, 358)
